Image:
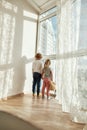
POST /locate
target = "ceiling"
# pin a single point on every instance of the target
(42, 5)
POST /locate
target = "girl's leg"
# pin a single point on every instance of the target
(48, 86)
(43, 88)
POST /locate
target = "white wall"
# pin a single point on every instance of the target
(18, 27)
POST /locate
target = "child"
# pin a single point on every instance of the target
(37, 70)
(47, 76)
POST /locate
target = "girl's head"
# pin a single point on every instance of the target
(47, 63)
(38, 56)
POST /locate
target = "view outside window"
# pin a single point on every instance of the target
(48, 36)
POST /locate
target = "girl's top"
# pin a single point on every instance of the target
(47, 73)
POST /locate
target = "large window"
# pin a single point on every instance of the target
(48, 35)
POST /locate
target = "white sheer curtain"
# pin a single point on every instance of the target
(72, 59)
(7, 29)
(18, 25)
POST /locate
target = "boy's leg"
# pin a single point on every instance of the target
(38, 84)
(34, 83)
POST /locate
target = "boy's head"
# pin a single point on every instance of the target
(38, 56)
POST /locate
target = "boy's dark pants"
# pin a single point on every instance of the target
(36, 81)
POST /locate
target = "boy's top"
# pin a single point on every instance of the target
(37, 66)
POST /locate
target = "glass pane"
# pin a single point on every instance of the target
(29, 28)
(83, 26)
(48, 36)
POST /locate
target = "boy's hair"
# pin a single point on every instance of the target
(38, 56)
(48, 60)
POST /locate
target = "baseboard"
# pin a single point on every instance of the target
(16, 95)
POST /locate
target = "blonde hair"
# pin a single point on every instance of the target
(48, 60)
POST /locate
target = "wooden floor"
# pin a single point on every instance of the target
(46, 114)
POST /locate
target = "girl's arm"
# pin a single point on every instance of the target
(51, 75)
(42, 73)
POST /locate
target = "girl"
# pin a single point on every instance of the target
(46, 76)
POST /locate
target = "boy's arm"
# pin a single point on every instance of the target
(32, 67)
